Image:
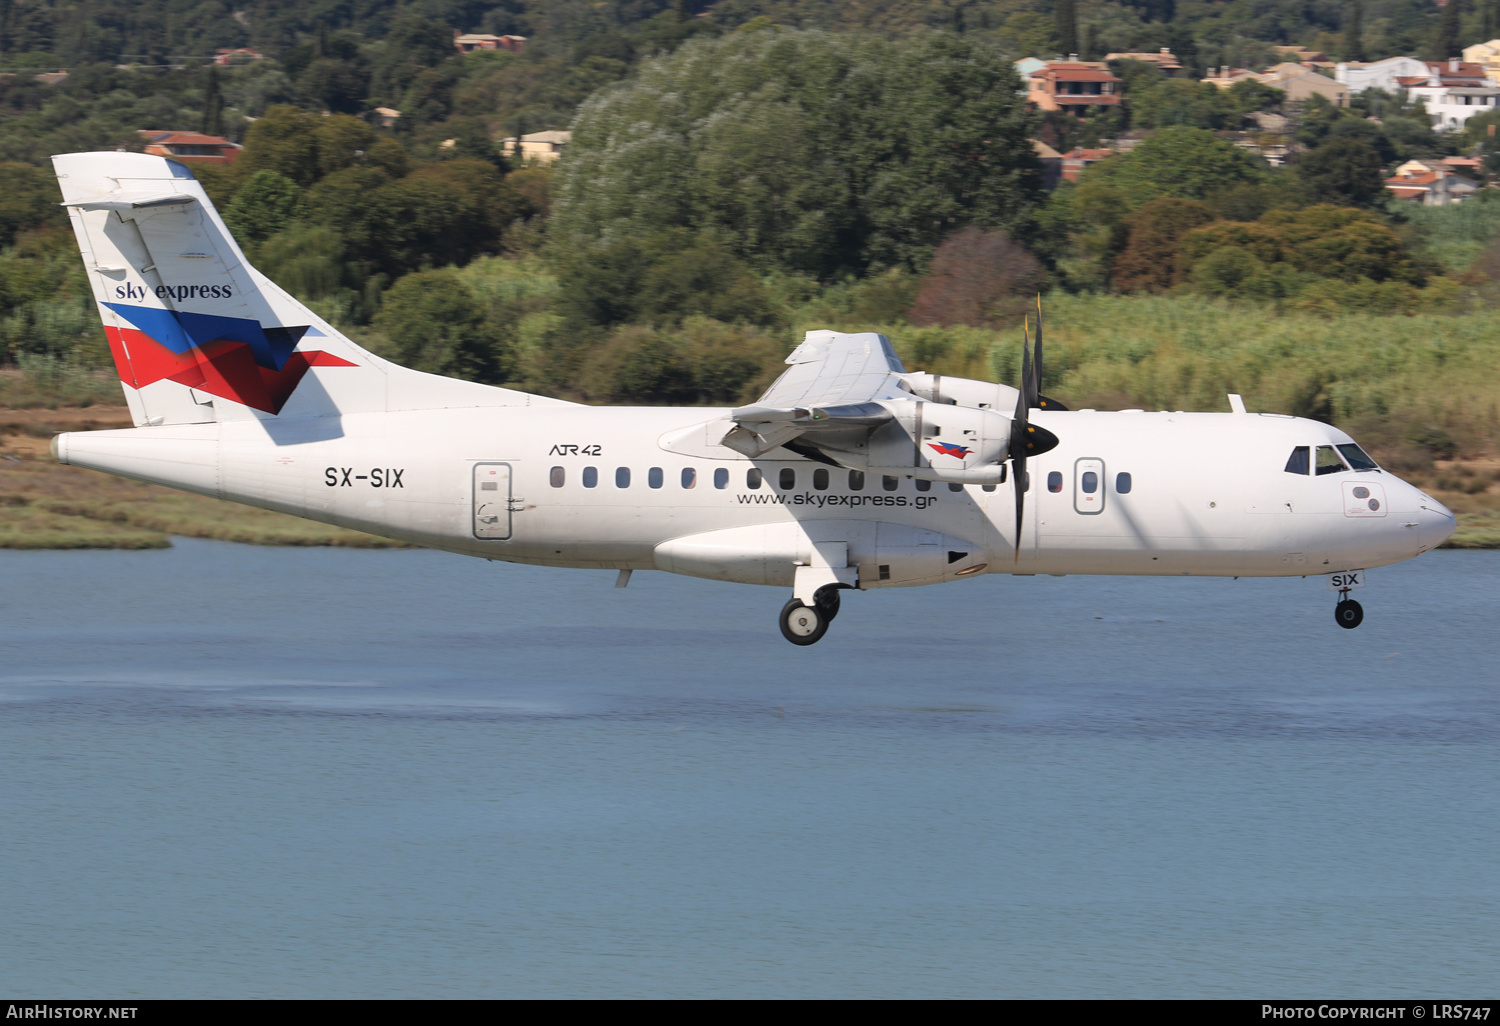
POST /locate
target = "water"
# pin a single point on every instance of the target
(233, 771)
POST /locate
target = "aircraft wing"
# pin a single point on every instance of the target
(833, 369)
(833, 386)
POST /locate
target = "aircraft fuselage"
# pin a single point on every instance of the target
(643, 488)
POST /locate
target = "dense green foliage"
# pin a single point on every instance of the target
(805, 151)
(778, 165)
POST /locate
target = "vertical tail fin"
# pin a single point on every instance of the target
(197, 333)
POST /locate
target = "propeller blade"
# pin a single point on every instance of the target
(1038, 362)
(1028, 370)
(1018, 482)
(1018, 439)
(1042, 402)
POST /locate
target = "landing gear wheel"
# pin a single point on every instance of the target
(827, 601)
(803, 625)
(1349, 614)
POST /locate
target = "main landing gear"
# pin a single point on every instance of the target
(1349, 614)
(805, 625)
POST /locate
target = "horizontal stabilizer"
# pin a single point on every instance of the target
(132, 201)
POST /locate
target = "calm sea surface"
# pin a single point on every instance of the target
(234, 771)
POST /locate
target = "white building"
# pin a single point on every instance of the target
(1452, 90)
(1378, 74)
(544, 147)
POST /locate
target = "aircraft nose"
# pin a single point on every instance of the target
(1437, 523)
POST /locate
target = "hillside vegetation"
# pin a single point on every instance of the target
(743, 171)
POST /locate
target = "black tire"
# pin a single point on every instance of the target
(826, 599)
(802, 625)
(1349, 614)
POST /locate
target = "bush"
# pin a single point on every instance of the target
(980, 278)
(434, 323)
(1184, 162)
(265, 205)
(661, 280)
(703, 361)
(1149, 262)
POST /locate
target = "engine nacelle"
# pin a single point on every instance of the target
(959, 444)
(951, 391)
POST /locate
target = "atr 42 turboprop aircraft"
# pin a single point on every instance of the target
(850, 472)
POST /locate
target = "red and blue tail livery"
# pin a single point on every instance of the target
(229, 357)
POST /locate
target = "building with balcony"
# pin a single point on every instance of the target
(1073, 87)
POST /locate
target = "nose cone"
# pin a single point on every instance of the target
(1437, 523)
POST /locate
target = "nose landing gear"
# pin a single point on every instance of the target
(805, 625)
(1348, 614)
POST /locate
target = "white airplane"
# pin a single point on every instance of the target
(850, 472)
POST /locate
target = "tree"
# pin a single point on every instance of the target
(1149, 262)
(1178, 101)
(28, 199)
(1447, 39)
(817, 153)
(213, 104)
(978, 278)
(661, 280)
(1066, 14)
(265, 205)
(1315, 242)
(1354, 33)
(285, 141)
(1344, 172)
(436, 324)
(1183, 162)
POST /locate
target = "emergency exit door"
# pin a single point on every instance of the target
(1088, 486)
(492, 501)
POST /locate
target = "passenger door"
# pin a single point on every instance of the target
(1088, 486)
(492, 501)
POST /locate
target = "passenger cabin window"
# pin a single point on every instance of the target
(889, 483)
(788, 478)
(622, 477)
(1054, 481)
(954, 486)
(923, 485)
(654, 477)
(856, 480)
(1357, 458)
(820, 479)
(752, 478)
(559, 477)
(689, 477)
(1328, 461)
(590, 476)
(721, 477)
(1089, 483)
(1122, 484)
(1297, 463)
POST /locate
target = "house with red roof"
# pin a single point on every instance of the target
(193, 146)
(1075, 160)
(1453, 91)
(1073, 86)
(1431, 188)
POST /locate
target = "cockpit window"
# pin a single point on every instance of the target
(1356, 457)
(1328, 461)
(1297, 462)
